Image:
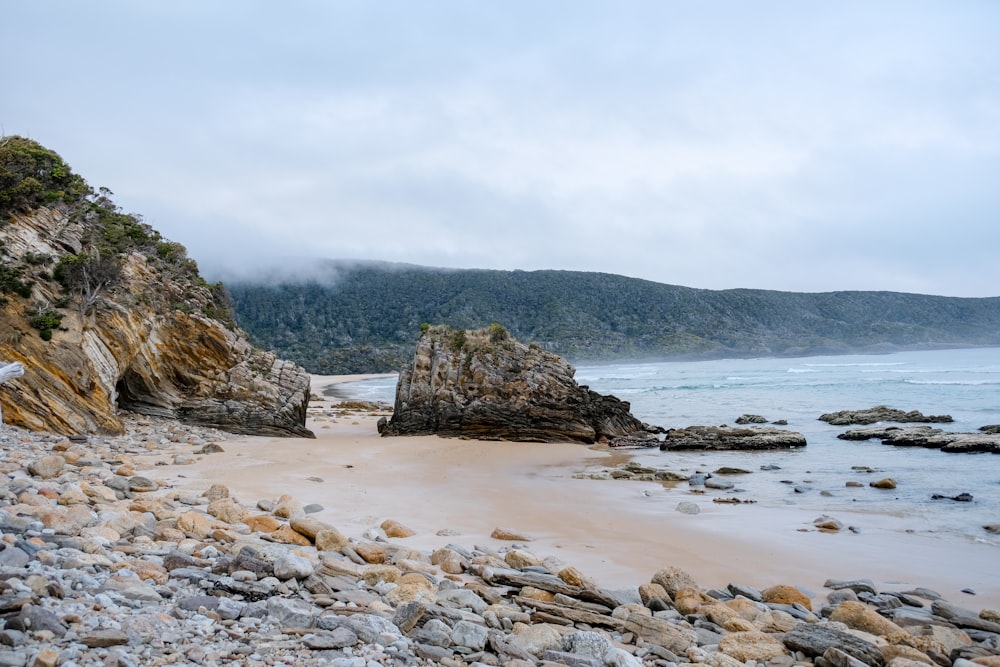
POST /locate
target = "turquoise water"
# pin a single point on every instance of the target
(962, 383)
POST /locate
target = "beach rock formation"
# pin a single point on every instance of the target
(881, 413)
(728, 438)
(102, 567)
(928, 437)
(485, 385)
(106, 314)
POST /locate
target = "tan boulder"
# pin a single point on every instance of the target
(785, 594)
(375, 573)
(449, 560)
(737, 624)
(394, 528)
(721, 615)
(899, 661)
(195, 524)
(412, 587)
(509, 535)
(73, 495)
(146, 570)
(574, 577)
(68, 521)
(158, 507)
(331, 540)
(988, 660)
(537, 638)
(371, 552)
(649, 592)
(894, 651)
(224, 509)
(860, 616)
(744, 608)
(532, 593)
(673, 579)
(101, 531)
(47, 467)
(751, 645)
(689, 600)
(288, 507)
(99, 493)
(262, 523)
(216, 492)
(226, 535)
(887, 483)
(938, 639)
(308, 525)
(775, 620)
(125, 470)
(34, 499)
(286, 535)
(519, 559)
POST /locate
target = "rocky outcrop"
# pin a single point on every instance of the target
(482, 384)
(881, 413)
(152, 338)
(715, 438)
(927, 437)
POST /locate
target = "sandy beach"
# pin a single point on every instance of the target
(617, 532)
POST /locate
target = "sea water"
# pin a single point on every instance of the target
(962, 383)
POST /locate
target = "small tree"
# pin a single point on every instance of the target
(87, 277)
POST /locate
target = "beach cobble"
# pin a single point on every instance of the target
(101, 565)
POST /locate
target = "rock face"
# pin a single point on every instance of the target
(727, 438)
(482, 384)
(881, 413)
(155, 338)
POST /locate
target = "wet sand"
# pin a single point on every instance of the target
(617, 532)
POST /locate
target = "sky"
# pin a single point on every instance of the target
(787, 145)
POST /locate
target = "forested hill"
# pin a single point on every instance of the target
(367, 317)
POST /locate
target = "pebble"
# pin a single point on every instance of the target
(99, 568)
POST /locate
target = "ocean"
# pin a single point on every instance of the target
(962, 383)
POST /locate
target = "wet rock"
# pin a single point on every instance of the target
(880, 413)
(711, 438)
(886, 483)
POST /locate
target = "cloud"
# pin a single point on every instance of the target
(787, 146)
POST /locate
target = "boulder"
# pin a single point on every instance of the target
(482, 384)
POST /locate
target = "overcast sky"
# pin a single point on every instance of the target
(803, 146)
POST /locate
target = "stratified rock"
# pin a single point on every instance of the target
(482, 384)
(925, 436)
(156, 340)
(881, 413)
(728, 438)
(814, 640)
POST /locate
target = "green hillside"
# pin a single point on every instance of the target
(366, 317)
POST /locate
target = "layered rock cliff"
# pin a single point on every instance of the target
(107, 315)
(482, 384)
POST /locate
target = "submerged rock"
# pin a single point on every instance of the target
(482, 384)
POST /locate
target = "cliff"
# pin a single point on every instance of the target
(482, 384)
(105, 315)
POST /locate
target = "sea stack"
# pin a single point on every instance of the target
(483, 384)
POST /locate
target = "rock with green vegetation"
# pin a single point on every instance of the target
(483, 384)
(107, 314)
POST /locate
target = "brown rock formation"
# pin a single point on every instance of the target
(482, 384)
(154, 338)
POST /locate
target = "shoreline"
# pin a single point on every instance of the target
(617, 532)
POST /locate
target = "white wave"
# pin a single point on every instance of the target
(802, 370)
(971, 383)
(861, 363)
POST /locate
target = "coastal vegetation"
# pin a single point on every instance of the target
(365, 317)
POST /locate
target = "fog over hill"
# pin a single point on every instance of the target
(356, 317)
